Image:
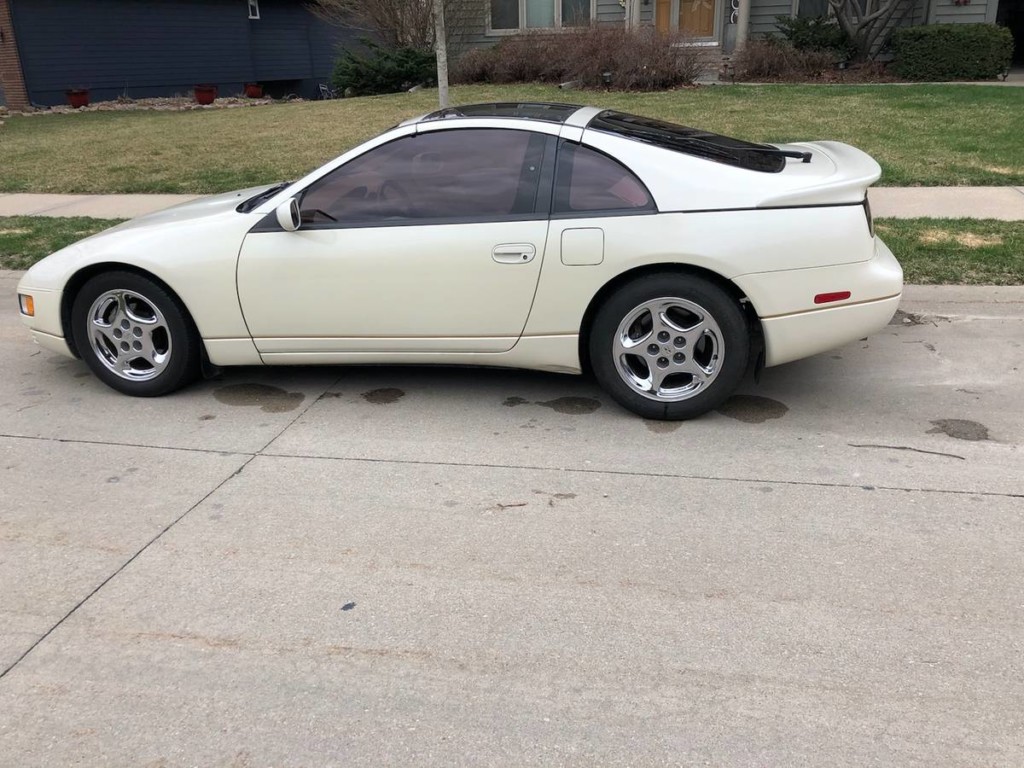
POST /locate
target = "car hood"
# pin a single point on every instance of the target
(196, 231)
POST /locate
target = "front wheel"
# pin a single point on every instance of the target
(669, 346)
(134, 336)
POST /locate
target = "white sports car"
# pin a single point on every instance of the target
(665, 259)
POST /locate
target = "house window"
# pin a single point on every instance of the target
(522, 15)
(811, 9)
(254, 9)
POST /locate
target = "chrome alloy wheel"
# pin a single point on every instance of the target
(129, 335)
(668, 349)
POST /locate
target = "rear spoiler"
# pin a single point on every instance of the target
(854, 172)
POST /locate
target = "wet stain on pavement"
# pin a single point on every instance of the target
(913, 318)
(348, 606)
(269, 399)
(961, 429)
(384, 396)
(662, 427)
(752, 409)
(573, 406)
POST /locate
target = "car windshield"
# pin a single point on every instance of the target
(679, 138)
(261, 197)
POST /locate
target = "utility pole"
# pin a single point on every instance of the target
(441, 48)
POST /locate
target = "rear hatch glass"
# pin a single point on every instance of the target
(692, 141)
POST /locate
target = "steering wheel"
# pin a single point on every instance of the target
(392, 192)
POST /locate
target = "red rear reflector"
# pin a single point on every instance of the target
(825, 298)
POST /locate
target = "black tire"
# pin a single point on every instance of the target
(723, 349)
(158, 329)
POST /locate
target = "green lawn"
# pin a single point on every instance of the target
(957, 251)
(24, 240)
(921, 134)
(938, 251)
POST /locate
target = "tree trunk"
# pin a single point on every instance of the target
(441, 48)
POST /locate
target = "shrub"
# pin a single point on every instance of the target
(474, 66)
(776, 60)
(383, 70)
(818, 33)
(634, 60)
(952, 52)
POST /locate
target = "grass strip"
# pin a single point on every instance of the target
(945, 135)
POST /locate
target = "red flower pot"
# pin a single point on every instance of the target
(254, 90)
(205, 94)
(78, 97)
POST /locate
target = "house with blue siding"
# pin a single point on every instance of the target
(142, 48)
(716, 24)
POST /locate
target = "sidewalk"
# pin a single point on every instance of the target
(1005, 203)
(94, 206)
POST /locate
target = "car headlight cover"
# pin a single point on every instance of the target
(27, 305)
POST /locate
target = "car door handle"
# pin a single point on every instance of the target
(513, 253)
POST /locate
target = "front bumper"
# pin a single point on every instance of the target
(45, 324)
(53, 343)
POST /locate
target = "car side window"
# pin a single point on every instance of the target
(476, 174)
(588, 181)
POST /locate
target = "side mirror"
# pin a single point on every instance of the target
(288, 215)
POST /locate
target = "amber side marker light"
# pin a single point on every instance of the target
(825, 298)
(28, 306)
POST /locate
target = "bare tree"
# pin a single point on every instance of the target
(398, 23)
(868, 22)
(441, 49)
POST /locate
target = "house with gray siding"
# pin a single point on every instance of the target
(717, 24)
(141, 48)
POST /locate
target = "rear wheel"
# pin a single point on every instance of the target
(134, 336)
(669, 346)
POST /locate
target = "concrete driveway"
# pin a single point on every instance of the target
(439, 567)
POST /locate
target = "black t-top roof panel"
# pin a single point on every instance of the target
(552, 113)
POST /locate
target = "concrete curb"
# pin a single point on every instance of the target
(1004, 203)
(928, 298)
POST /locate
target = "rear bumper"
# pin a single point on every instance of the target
(794, 327)
(808, 333)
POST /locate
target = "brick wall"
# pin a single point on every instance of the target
(12, 83)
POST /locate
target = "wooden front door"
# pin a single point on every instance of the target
(697, 18)
(662, 15)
